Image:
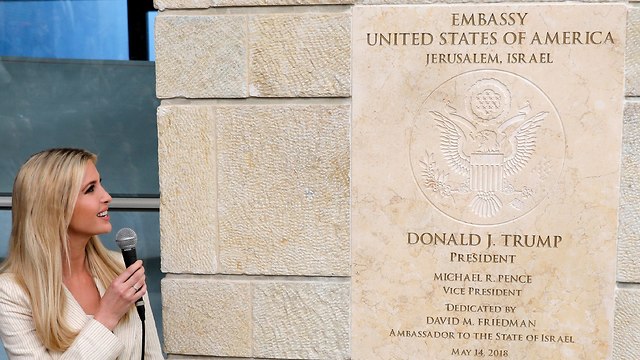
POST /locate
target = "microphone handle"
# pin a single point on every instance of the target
(129, 256)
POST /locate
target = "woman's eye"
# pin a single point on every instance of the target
(90, 189)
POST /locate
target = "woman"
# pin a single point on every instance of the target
(63, 295)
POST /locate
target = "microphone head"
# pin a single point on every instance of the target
(126, 239)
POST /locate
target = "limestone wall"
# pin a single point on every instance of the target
(627, 315)
(254, 142)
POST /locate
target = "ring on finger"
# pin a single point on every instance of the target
(135, 287)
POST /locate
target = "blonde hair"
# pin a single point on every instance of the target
(43, 199)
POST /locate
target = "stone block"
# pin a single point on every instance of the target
(626, 334)
(629, 221)
(300, 55)
(204, 4)
(632, 56)
(283, 189)
(445, 2)
(186, 156)
(201, 56)
(205, 316)
(188, 357)
(301, 320)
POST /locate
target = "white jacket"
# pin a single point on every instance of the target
(94, 341)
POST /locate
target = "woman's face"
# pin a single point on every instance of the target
(90, 214)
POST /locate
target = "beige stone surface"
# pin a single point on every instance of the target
(207, 316)
(513, 160)
(627, 327)
(301, 320)
(273, 182)
(181, 357)
(632, 58)
(188, 193)
(203, 4)
(201, 56)
(300, 55)
(442, 2)
(629, 231)
(283, 189)
(187, 357)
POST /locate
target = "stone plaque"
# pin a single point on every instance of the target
(486, 148)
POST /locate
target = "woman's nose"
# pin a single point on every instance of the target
(106, 197)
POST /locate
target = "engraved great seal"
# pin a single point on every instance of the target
(487, 147)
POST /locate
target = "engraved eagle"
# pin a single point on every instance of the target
(515, 138)
(486, 155)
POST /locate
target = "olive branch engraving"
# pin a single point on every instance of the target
(434, 178)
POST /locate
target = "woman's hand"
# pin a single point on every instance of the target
(125, 290)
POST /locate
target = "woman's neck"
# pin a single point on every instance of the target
(77, 260)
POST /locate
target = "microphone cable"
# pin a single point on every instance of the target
(143, 339)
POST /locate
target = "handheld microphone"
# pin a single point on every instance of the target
(126, 240)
